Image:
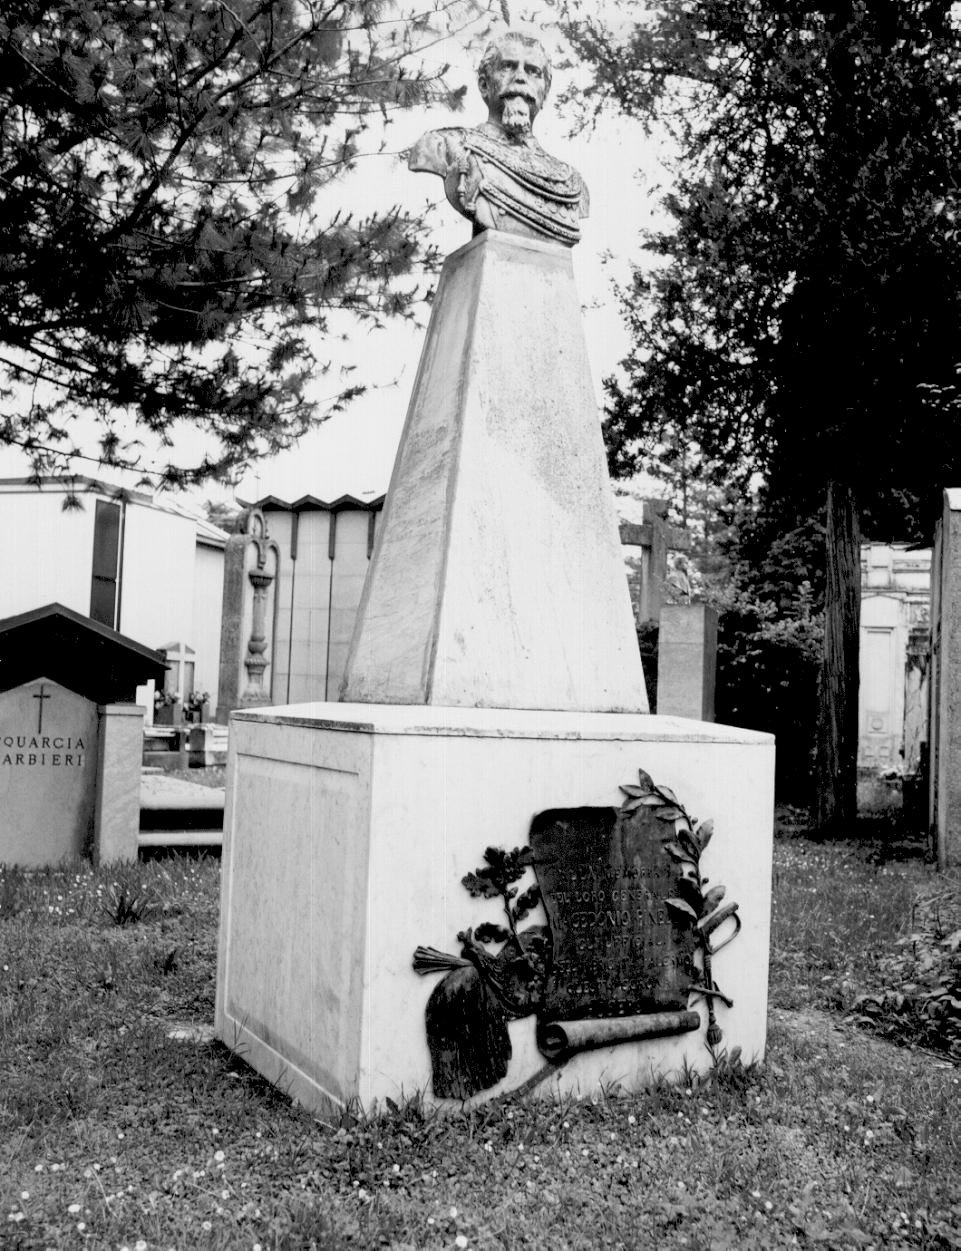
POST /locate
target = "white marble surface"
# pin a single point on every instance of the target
(347, 833)
(498, 578)
(430, 719)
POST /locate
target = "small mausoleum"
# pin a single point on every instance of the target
(71, 737)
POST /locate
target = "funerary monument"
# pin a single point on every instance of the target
(71, 737)
(487, 867)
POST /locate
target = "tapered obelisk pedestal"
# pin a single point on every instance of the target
(497, 581)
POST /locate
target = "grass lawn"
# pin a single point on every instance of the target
(114, 1134)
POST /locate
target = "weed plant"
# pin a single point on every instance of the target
(113, 1134)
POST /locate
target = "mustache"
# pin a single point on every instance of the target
(518, 93)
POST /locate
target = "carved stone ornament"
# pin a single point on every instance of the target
(627, 943)
(497, 174)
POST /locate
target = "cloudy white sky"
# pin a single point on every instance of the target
(354, 451)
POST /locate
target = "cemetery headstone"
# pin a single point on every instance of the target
(70, 744)
(687, 661)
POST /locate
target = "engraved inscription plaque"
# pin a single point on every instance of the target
(605, 879)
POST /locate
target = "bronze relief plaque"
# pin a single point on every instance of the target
(605, 879)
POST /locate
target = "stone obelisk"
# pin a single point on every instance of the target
(497, 580)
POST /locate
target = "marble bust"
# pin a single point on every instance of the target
(497, 174)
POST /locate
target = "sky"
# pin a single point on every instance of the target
(353, 452)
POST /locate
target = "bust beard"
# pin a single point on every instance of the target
(516, 118)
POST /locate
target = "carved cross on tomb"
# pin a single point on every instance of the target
(41, 697)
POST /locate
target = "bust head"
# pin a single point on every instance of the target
(514, 76)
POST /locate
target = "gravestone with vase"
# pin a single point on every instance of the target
(71, 738)
(492, 766)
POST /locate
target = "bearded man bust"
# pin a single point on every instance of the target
(497, 174)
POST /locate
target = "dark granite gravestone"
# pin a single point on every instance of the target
(61, 678)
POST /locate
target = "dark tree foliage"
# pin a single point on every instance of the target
(803, 318)
(165, 247)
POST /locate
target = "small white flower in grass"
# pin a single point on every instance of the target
(24, 1194)
(460, 1241)
(225, 1194)
(395, 1168)
(769, 1205)
(453, 1214)
(632, 1119)
(81, 1226)
(362, 1193)
(256, 1247)
(38, 1168)
(15, 1216)
(206, 1226)
(219, 1157)
(120, 1135)
(73, 1208)
(430, 1220)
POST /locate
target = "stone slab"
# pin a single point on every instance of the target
(160, 792)
(687, 661)
(347, 832)
(48, 773)
(944, 800)
(117, 808)
(497, 579)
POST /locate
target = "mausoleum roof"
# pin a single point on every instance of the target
(55, 642)
(311, 503)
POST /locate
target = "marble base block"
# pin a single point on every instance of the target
(348, 829)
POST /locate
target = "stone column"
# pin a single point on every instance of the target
(687, 661)
(945, 793)
(251, 563)
(119, 759)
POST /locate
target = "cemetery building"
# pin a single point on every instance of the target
(892, 705)
(137, 563)
(160, 573)
(322, 553)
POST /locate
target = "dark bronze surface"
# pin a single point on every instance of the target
(628, 910)
(618, 949)
(559, 1039)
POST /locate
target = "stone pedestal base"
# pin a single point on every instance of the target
(348, 829)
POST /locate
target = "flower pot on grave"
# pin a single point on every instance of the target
(169, 714)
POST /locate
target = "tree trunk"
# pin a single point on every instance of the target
(836, 763)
